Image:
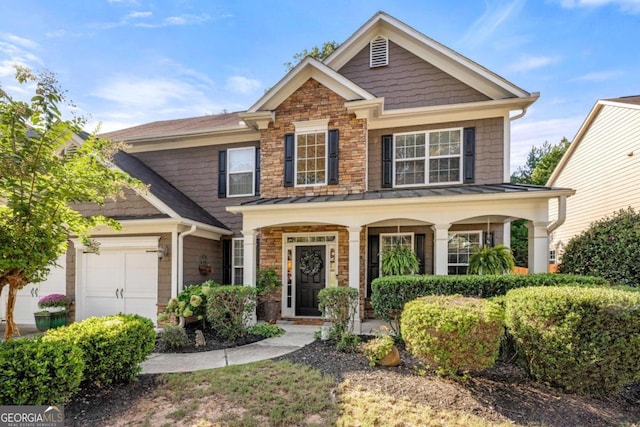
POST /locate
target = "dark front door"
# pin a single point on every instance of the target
(310, 279)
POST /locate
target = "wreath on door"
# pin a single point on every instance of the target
(310, 263)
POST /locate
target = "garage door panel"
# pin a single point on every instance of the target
(101, 306)
(143, 306)
(141, 274)
(103, 273)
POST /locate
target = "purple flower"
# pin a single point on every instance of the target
(54, 300)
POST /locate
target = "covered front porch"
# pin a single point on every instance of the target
(320, 241)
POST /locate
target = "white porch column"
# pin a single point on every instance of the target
(506, 234)
(538, 245)
(440, 249)
(354, 272)
(249, 266)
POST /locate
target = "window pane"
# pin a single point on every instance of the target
(240, 183)
(461, 245)
(241, 160)
(311, 158)
(238, 277)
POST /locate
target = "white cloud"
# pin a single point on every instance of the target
(134, 19)
(19, 41)
(242, 85)
(600, 76)
(631, 6)
(134, 92)
(529, 62)
(136, 15)
(495, 14)
(14, 51)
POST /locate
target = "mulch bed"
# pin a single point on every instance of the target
(210, 341)
(503, 392)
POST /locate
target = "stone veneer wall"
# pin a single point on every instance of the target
(314, 101)
(271, 252)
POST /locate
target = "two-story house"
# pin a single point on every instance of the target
(393, 139)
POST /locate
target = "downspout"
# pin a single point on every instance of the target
(181, 262)
(520, 115)
(562, 214)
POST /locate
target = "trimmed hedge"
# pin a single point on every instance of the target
(39, 372)
(339, 304)
(584, 340)
(229, 309)
(391, 293)
(454, 334)
(113, 347)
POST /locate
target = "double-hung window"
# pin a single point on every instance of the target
(428, 157)
(462, 244)
(241, 169)
(237, 262)
(311, 158)
(389, 241)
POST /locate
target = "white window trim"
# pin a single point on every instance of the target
(426, 158)
(253, 172)
(233, 258)
(460, 264)
(381, 235)
(326, 158)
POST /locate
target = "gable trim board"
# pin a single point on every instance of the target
(429, 50)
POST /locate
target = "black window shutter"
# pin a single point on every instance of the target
(257, 172)
(387, 161)
(373, 261)
(469, 155)
(222, 174)
(226, 262)
(487, 239)
(333, 157)
(289, 149)
(419, 241)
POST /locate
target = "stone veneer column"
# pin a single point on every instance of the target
(440, 249)
(354, 272)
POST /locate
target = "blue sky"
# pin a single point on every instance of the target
(127, 62)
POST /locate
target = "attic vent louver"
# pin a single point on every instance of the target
(379, 52)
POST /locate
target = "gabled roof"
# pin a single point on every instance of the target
(632, 102)
(173, 198)
(306, 69)
(449, 61)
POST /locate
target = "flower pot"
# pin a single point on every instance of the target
(269, 311)
(54, 309)
(391, 359)
(43, 320)
(58, 319)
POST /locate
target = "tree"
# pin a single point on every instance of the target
(40, 181)
(319, 53)
(540, 163)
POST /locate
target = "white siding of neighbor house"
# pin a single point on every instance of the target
(605, 177)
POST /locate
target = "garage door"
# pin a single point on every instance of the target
(118, 280)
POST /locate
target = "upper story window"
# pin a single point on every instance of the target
(311, 158)
(430, 157)
(241, 171)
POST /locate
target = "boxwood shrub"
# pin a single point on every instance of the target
(584, 340)
(391, 293)
(113, 347)
(229, 309)
(39, 372)
(454, 334)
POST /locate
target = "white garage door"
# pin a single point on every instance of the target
(118, 280)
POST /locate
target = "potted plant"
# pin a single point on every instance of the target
(54, 311)
(399, 260)
(268, 285)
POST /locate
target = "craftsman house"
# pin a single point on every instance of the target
(393, 139)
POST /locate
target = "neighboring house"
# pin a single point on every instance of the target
(603, 165)
(393, 139)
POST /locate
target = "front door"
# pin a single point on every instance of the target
(310, 279)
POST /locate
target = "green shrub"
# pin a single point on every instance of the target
(229, 309)
(376, 349)
(390, 294)
(38, 372)
(339, 305)
(584, 340)
(113, 347)
(266, 330)
(173, 338)
(267, 281)
(191, 301)
(399, 260)
(349, 343)
(491, 260)
(452, 333)
(609, 248)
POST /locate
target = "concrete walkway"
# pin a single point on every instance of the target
(295, 337)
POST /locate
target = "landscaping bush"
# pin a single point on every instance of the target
(339, 305)
(390, 294)
(191, 301)
(173, 338)
(399, 260)
(113, 347)
(454, 334)
(491, 260)
(609, 248)
(266, 330)
(38, 372)
(584, 340)
(229, 309)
